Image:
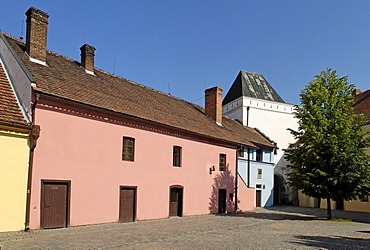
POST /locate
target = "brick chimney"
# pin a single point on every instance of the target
(37, 28)
(356, 92)
(87, 58)
(213, 105)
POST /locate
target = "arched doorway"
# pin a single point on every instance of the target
(176, 200)
(280, 196)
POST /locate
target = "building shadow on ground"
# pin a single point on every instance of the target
(321, 213)
(365, 232)
(301, 213)
(272, 216)
(332, 242)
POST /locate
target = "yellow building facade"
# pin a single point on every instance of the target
(15, 128)
(362, 104)
(14, 158)
(355, 205)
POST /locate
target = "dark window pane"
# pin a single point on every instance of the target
(176, 156)
(240, 151)
(222, 163)
(128, 149)
(259, 173)
(258, 154)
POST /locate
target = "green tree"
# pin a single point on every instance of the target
(328, 160)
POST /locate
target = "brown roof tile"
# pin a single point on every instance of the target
(362, 104)
(66, 78)
(10, 112)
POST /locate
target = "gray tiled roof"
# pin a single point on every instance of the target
(251, 84)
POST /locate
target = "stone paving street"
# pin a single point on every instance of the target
(281, 227)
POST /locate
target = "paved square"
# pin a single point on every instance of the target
(281, 227)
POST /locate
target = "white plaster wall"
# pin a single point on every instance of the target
(273, 119)
(243, 169)
(266, 182)
(235, 113)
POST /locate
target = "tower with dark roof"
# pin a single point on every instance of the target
(253, 101)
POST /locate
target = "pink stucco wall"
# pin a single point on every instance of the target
(86, 150)
(246, 196)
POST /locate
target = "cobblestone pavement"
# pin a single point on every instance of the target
(281, 227)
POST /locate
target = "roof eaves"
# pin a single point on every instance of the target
(230, 143)
(266, 137)
(15, 126)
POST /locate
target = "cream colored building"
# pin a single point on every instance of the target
(362, 104)
(14, 157)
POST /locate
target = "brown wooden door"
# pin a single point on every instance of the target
(258, 198)
(222, 200)
(55, 205)
(176, 202)
(127, 205)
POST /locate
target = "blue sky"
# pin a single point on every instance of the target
(183, 47)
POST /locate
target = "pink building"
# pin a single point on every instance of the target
(113, 150)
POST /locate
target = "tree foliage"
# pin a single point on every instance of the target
(328, 160)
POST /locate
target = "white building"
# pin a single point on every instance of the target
(256, 169)
(253, 101)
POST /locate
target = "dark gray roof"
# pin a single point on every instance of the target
(251, 84)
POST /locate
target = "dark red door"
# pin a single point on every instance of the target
(55, 205)
(258, 198)
(222, 201)
(176, 202)
(127, 205)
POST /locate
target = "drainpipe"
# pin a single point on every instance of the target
(236, 182)
(34, 134)
(248, 115)
(249, 165)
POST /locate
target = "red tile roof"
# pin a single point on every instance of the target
(10, 112)
(362, 104)
(66, 78)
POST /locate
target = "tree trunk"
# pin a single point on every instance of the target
(328, 209)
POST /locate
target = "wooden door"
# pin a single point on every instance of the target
(175, 201)
(258, 198)
(127, 210)
(54, 210)
(222, 200)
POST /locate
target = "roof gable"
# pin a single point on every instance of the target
(251, 84)
(10, 112)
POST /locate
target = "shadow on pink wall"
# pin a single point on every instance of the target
(223, 180)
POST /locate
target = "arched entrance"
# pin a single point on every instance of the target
(280, 196)
(176, 200)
